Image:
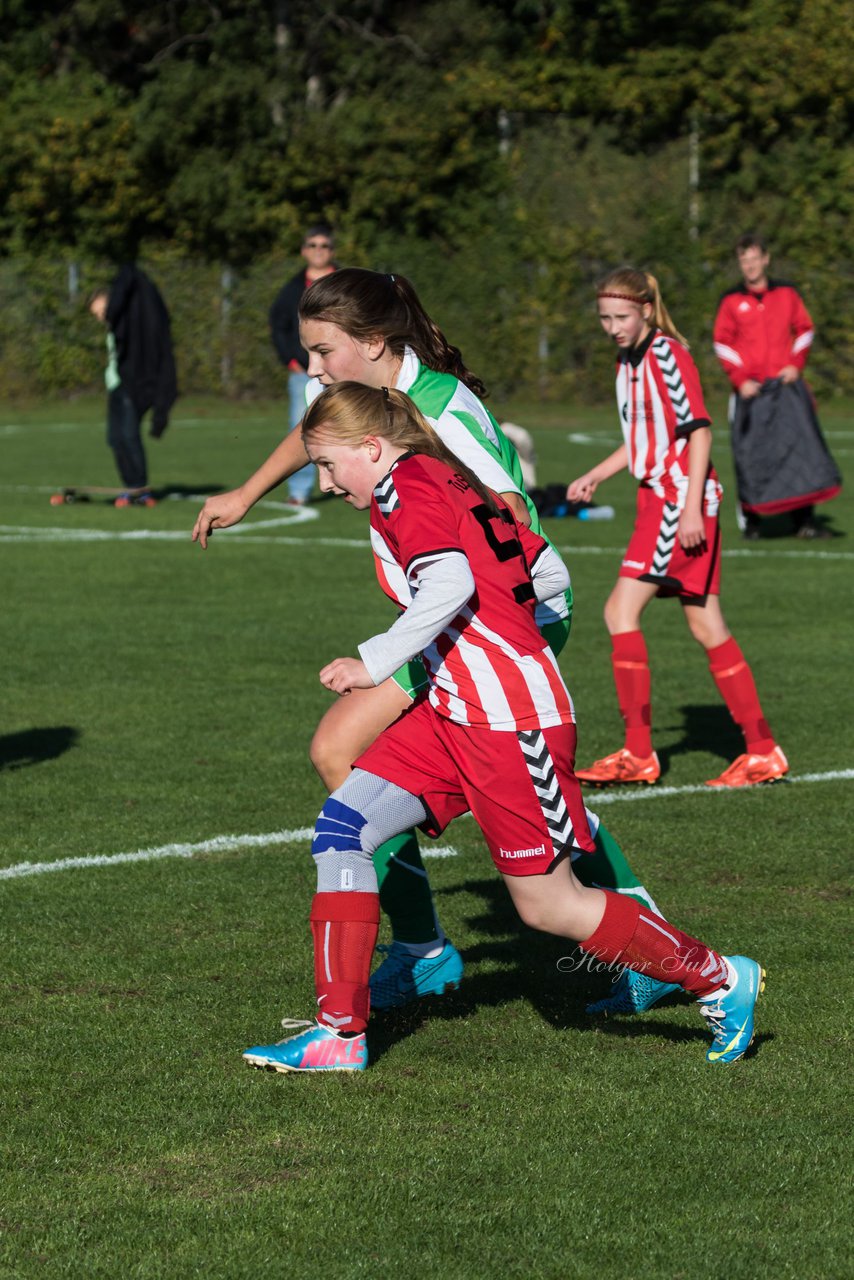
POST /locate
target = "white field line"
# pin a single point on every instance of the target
(218, 844)
(246, 533)
(40, 533)
(302, 835)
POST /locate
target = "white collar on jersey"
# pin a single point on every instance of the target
(409, 370)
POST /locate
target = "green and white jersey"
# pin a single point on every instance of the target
(469, 430)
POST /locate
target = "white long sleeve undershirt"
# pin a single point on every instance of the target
(445, 585)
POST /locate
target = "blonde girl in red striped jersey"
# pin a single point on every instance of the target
(494, 735)
(675, 547)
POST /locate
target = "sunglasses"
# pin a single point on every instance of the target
(317, 244)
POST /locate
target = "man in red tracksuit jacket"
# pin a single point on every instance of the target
(763, 331)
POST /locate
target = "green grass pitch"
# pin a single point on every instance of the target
(157, 697)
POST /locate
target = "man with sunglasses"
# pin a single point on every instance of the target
(317, 250)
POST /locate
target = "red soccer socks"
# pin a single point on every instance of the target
(736, 686)
(630, 935)
(630, 664)
(344, 928)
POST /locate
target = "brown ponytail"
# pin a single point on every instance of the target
(370, 304)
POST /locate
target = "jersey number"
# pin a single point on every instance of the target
(504, 549)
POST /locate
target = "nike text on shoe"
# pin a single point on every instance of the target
(633, 993)
(621, 766)
(753, 770)
(317, 1049)
(730, 1011)
(403, 977)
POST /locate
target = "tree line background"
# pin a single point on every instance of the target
(502, 155)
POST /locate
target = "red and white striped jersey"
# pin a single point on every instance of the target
(660, 402)
(490, 666)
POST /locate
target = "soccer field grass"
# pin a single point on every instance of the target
(159, 703)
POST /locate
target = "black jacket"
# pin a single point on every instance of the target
(137, 315)
(284, 321)
(781, 458)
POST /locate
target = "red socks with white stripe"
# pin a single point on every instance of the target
(344, 928)
(630, 935)
(630, 664)
(736, 686)
(730, 672)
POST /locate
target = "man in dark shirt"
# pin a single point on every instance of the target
(317, 250)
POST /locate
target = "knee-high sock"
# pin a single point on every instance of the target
(630, 664)
(344, 929)
(405, 894)
(632, 936)
(607, 868)
(736, 686)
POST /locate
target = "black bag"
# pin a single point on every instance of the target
(781, 459)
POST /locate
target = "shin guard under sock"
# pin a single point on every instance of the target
(344, 929)
(630, 935)
(405, 894)
(630, 664)
(734, 679)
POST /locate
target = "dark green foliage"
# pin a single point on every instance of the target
(508, 152)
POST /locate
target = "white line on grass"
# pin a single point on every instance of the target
(42, 533)
(298, 515)
(218, 844)
(301, 835)
(663, 793)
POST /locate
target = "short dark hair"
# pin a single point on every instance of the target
(319, 229)
(750, 240)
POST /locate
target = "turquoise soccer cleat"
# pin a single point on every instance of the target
(317, 1049)
(633, 993)
(730, 1012)
(403, 977)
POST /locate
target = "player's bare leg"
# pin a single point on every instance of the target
(349, 727)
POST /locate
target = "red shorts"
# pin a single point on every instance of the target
(654, 553)
(520, 786)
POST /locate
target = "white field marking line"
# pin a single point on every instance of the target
(218, 844)
(580, 437)
(45, 533)
(665, 793)
(231, 844)
(18, 428)
(300, 515)
(760, 553)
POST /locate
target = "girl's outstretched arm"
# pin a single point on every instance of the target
(583, 489)
(225, 509)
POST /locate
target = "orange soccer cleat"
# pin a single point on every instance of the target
(621, 766)
(751, 770)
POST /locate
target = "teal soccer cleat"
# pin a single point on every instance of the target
(403, 977)
(318, 1049)
(729, 1013)
(633, 993)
